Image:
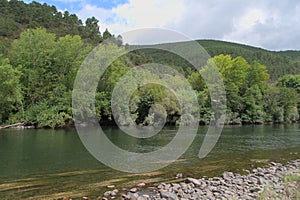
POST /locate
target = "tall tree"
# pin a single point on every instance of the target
(33, 51)
(92, 32)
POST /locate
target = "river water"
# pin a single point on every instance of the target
(49, 164)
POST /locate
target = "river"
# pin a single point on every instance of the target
(47, 164)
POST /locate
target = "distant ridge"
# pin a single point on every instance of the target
(278, 63)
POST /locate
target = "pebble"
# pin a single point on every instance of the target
(141, 185)
(179, 175)
(133, 190)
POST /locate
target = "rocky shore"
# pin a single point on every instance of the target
(275, 181)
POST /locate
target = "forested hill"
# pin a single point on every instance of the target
(278, 63)
(16, 16)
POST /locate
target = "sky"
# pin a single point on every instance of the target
(269, 24)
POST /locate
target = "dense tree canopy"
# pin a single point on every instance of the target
(250, 99)
(277, 63)
(17, 16)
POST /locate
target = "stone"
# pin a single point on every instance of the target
(183, 185)
(112, 194)
(246, 197)
(238, 181)
(215, 183)
(176, 186)
(261, 181)
(196, 182)
(256, 189)
(126, 197)
(180, 193)
(228, 186)
(203, 185)
(132, 196)
(190, 185)
(167, 186)
(116, 190)
(133, 190)
(111, 186)
(107, 193)
(141, 185)
(160, 186)
(168, 195)
(227, 175)
(179, 175)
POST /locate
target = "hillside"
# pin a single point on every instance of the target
(278, 63)
(17, 16)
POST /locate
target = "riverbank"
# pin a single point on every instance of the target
(275, 181)
(24, 125)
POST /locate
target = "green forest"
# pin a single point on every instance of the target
(41, 50)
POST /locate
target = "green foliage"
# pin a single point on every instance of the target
(196, 81)
(45, 115)
(250, 100)
(292, 177)
(91, 31)
(46, 62)
(106, 35)
(144, 106)
(253, 106)
(17, 16)
(277, 63)
(48, 68)
(37, 79)
(10, 90)
(102, 106)
(257, 74)
(290, 81)
(281, 104)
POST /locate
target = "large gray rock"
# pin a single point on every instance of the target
(196, 182)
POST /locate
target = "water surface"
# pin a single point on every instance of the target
(54, 163)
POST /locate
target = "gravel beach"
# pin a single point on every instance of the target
(275, 181)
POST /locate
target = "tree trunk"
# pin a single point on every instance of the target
(12, 125)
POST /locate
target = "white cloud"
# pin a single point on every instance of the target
(90, 10)
(145, 13)
(251, 18)
(273, 27)
(265, 23)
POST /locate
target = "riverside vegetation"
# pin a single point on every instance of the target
(42, 49)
